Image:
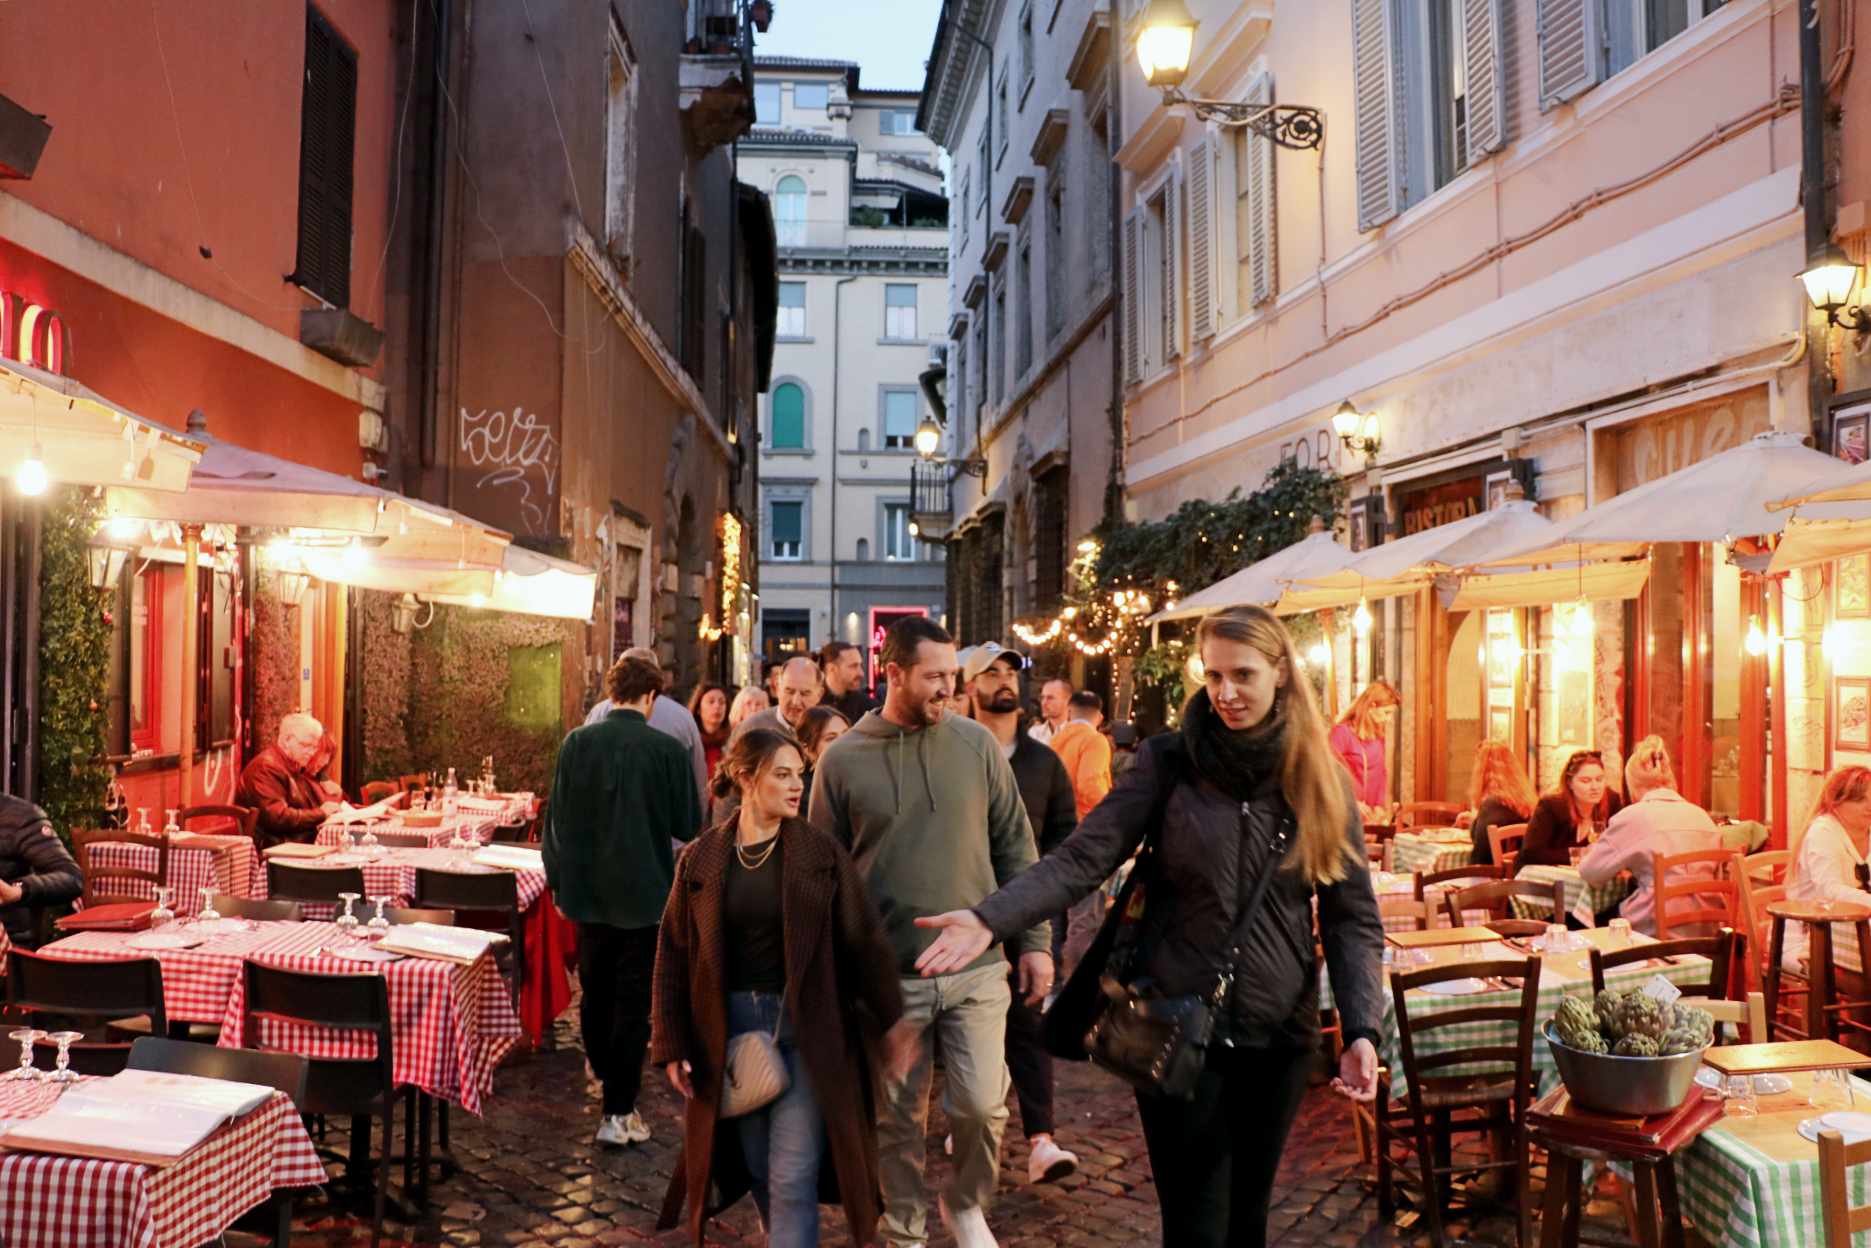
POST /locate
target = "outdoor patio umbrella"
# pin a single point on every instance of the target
(1412, 563)
(81, 438)
(1830, 518)
(1264, 582)
(527, 582)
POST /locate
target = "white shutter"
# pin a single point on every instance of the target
(1172, 265)
(1569, 60)
(1133, 295)
(1202, 239)
(1487, 94)
(1379, 139)
(1259, 255)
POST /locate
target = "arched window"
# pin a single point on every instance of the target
(789, 210)
(789, 417)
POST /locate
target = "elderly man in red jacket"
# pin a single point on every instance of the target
(276, 783)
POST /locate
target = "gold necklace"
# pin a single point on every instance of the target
(754, 863)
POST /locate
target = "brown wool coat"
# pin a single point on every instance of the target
(841, 985)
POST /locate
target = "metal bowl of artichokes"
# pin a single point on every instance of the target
(1623, 1053)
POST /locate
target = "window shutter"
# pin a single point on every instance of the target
(1172, 265)
(1133, 296)
(1487, 95)
(1257, 179)
(1379, 140)
(1568, 35)
(327, 133)
(1202, 239)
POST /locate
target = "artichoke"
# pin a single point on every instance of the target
(1635, 1044)
(1690, 1029)
(1587, 1042)
(1637, 1015)
(1606, 1005)
(1574, 1021)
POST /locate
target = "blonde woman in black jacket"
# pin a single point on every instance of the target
(1250, 785)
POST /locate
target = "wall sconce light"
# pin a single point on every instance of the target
(290, 586)
(1360, 432)
(1830, 278)
(929, 438)
(106, 565)
(403, 615)
(1165, 46)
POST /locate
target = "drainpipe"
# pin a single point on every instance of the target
(1819, 381)
(1114, 137)
(838, 289)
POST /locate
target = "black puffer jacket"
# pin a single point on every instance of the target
(1192, 905)
(32, 857)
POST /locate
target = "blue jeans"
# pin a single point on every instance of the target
(781, 1141)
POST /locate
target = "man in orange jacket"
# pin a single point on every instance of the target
(1084, 750)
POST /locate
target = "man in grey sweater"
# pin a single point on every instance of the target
(929, 808)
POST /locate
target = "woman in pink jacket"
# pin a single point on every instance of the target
(1358, 740)
(1658, 820)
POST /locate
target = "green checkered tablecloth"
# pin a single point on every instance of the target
(1582, 899)
(1762, 1191)
(1414, 855)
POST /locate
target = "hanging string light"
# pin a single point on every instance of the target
(1756, 642)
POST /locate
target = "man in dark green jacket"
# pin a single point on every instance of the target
(623, 792)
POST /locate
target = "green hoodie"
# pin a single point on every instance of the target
(933, 818)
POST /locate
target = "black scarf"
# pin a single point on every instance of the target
(1234, 762)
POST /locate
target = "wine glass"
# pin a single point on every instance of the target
(162, 916)
(379, 925)
(347, 921)
(371, 848)
(64, 1040)
(142, 821)
(27, 1037)
(208, 913)
(172, 827)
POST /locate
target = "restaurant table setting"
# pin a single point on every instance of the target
(1431, 849)
(452, 1019)
(1583, 901)
(226, 864)
(1390, 886)
(391, 872)
(141, 1159)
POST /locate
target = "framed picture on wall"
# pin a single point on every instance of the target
(1851, 434)
(1497, 488)
(1851, 590)
(1851, 713)
(1503, 654)
(1501, 723)
(1360, 528)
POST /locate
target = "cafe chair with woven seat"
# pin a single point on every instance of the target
(1421, 914)
(313, 885)
(1414, 815)
(1490, 1094)
(1721, 949)
(1668, 882)
(360, 1088)
(377, 790)
(1840, 1221)
(276, 911)
(481, 899)
(1426, 880)
(103, 881)
(1760, 880)
(1495, 899)
(94, 995)
(1504, 841)
(246, 820)
(413, 784)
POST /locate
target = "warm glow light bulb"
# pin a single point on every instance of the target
(1318, 653)
(1362, 620)
(31, 478)
(354, 556)
(124, 527)
(478, 599)
(1756, 642)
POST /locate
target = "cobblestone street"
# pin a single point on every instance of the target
(531, 1176)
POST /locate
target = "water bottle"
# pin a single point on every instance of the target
(449, 794)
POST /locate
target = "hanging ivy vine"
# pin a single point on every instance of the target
(74, 668)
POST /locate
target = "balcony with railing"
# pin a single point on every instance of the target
(717, 89)
(932, 510)
(798, 234)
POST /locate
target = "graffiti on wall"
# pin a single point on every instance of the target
(517, 453)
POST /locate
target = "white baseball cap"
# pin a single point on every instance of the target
(977, 659)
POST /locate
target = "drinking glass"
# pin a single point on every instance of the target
(1831, 1089)
(162, 915)
(379, 925)
(1740, 1101)
(347, 921)
(353, 836)
(1556, 939)
(172, 827)
(208, 913)
(142, 821)
(64, 1040)
(1620, 933)
(27, 1037)
(371, 848)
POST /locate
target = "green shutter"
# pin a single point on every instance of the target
(789, 417)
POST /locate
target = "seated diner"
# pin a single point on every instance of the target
(1500, 794)
(1828, 851)
(1658, 820)
(1572, 815)
(277, 783)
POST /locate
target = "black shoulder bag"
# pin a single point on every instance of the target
(1158, 1045)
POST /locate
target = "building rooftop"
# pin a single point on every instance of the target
(802, 138)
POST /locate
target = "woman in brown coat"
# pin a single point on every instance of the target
(769, 927)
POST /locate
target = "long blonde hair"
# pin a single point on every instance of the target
(1361, 715)
(1311, 777)
(1499, 775)
(1847, 784)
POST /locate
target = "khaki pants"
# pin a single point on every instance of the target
(966, 1015)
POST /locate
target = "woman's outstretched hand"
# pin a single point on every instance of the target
(902, 1046)
(679, 1077)
(964, 938)
(1357, 1071)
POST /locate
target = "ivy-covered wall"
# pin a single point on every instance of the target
(74, 667)
(465, 685)
(272, 659)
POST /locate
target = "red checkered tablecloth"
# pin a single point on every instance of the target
(479, 822)
(223, 863)
(394, 875)
(75, 1202)
(451, 1023)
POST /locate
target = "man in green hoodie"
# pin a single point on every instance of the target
(929, 808)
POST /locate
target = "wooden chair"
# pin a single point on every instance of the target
(1426, 815)
(1770, 866)
(360, 1088)
(1420, 912)
(1486, 871)
(315, 885)
(377, 790)
(1696, 888)
(277, 911)
(246, 819)
(1494, 897)
(1504, 843)
(1496, 1097)
(1841, 1222)
(1377, 853)
(1720, 949)
(1751, 1014)
(412, 783)
(82, 844)
(97, 992)
(1753, 895)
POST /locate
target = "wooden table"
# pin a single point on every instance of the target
(1822, 977)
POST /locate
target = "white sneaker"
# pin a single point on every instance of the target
(1047, 1162)
(948, 1145)
(621, 1129)
(968, 1226)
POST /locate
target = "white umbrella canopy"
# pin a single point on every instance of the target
(1830, 518)
(1724, 497)
(1411, 563)
(85, 439)
(1318, 553)
(527, 582)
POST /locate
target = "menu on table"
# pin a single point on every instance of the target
(435, 940)
(149, 1117)
(510, 858)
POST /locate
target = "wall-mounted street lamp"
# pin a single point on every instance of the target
(106, 565)
(1165, 45)
(1830, 278)
(929, 438)
(1359, 431)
